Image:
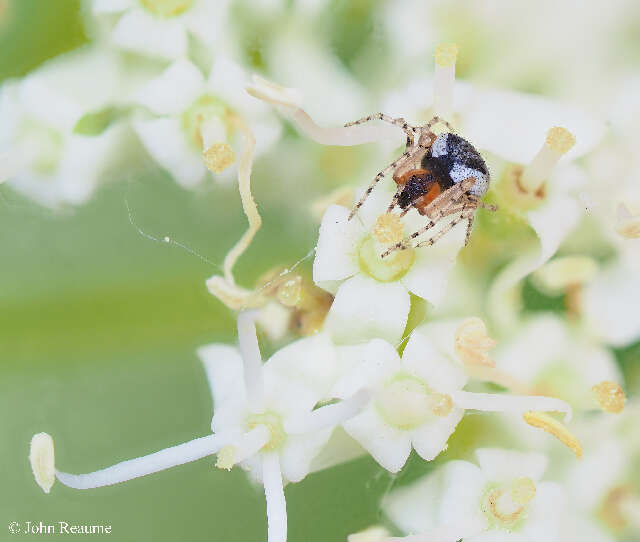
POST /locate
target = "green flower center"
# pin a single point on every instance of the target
(406, 402)
(204, 108)
(167, 8)
(273, 422)
(505, 506)
(391, 268)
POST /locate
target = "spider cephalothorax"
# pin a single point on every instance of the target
(438, 175)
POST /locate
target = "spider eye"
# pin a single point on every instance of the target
(429, 177)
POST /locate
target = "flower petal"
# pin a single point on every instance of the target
(299, 451)
(143, 33)
(431, 438)
(111, 6)
(311, 361)
(495, 122)
(365, 308)
(463, 483)
(504, 465)
(610, 306)
(429, 275)
(389, 446)
(164, 140)
(366, 365)
(173, 90)
(546, 512)
(337, 241)
(422, 358)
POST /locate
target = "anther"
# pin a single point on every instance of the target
(610, 396)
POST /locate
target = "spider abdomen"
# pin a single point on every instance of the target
(419, 187)
(460, 160)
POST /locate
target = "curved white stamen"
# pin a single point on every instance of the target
(444, 80)
(497, 402)
(341, 136)
(274, 493)
(290, 99)
(250, 443)
(251, 358)
(558, 142)
(328, 416)
(141, 466)
(442, 534)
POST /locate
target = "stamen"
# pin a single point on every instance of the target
(554, 427)
(224, 288)
(444, 79)
(226, 457)
(610, 396)
(141, 466)
(251, 358)
(388, 229)
(497, 402)
(249, 444)
(291, 99)
(558, 142)
(218, 157)
(329, 416)
(274, 493)
(272, 422)
(472, 343)
(42, 459)
(441, 404)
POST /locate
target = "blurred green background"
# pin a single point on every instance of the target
(99, 324)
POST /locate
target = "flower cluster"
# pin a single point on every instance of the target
(386, 351)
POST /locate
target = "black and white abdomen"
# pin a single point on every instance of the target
(461, 160)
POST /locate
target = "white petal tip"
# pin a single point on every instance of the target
(42, 459)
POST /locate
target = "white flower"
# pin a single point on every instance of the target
(372, 293)
(162, 28)
(416, 401)
(193, 115)
(59, 130)
(262, 421)
(547, 356)
(501, 500)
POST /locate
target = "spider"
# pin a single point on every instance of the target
(438, 175)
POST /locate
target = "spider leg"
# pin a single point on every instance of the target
(404, 244)
(394, 200)
(436, 120)
(469, 228)
(375, 181)
(401, 123)
(464, 214)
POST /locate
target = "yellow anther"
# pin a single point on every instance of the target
(441, 404)
(42, 459)
(226, 457)
(554, 427)
(560, 139)
(167, 8)
(472, 342)
(290, 291)
(446, 54)
(218, 157)
(610, 396)
(523, 490)
(388, 229)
